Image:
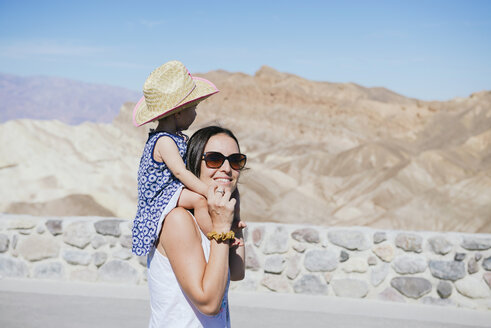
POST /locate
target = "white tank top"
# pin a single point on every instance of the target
(169, 304)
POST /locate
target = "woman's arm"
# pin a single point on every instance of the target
(166, 151)
(203, 283)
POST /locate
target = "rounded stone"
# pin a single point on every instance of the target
(343, 256)
(372, 260)
(277, 241)
(293, 266)
(353, 288)
(49, 270)
(459, 256)
(300, 248)
(447, 270)
(77, 257)
(122, 254)
(36, 247)
(40, 229)
(349, 239)
(54, 227)
(274, 264)
(108, 227)
(384, 252)
(143, 261)
(320, 260)
(258, 235)
(276, 283)
(117, 271)
(22, 223)
(309, 235)
(98, 241)
(99, 258)
(472, 266)
(78, 234)
(440, 245)
(487, 278)
(472, 287)
(486, 264)
(379, 273)
(413, 287)
(409, 242)
(409, 264)
(251, 260)
(126, 241)
(13, 268)
(309, 284)
(4, 243)
(476, 243)
(390, 294)
(379, 237)
(444, 289)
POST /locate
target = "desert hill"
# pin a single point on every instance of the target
(319, 152)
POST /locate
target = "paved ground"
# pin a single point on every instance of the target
(30, 303)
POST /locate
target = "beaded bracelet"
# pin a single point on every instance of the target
(221, 236)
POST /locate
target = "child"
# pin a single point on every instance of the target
(171, 96)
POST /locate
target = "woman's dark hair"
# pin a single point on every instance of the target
(197, 144)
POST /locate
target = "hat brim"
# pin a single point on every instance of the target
(203, 90)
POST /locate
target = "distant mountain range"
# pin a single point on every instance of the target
(335, 154)
(52, 98)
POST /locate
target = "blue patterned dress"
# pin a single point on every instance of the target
(156, 186)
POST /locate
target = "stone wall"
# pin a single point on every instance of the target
(449, 269)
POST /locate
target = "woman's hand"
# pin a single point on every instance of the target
(221, 208)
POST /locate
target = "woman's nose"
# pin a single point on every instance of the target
(226, 166)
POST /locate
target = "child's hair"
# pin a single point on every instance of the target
(197, 144)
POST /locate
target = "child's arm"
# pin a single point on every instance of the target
(166, 151)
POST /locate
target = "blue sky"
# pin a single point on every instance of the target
(430, 50)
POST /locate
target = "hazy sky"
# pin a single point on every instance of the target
(423, 49)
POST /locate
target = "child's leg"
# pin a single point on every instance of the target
(240, 224)
(191, 200)
(237, 224)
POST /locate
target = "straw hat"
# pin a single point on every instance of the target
(169, 89)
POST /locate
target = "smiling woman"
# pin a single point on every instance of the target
(188, 273)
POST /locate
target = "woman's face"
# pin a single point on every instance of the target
(224, 176)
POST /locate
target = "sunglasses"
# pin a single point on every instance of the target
(215, 160)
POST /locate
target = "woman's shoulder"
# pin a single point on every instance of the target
(179, 229)
(179, 219)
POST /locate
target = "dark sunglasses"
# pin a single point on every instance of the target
(215, 160)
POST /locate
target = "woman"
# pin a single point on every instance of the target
(188, 274)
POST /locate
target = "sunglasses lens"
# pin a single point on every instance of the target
(237, 161)
(214, 160)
